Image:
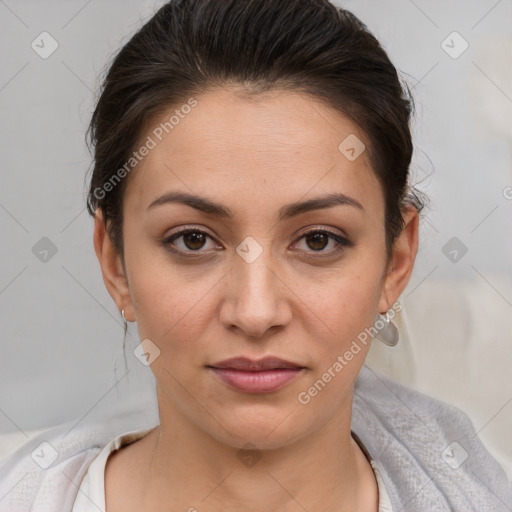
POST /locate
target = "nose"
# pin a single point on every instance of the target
(256, 297)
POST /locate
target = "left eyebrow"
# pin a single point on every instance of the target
(317, 203)
(210, 207)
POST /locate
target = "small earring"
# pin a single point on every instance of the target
(124, 338)
(387, 332)
(125, 327)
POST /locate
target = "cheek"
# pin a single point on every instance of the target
(346, 301)
(347, 310)
(171, 308)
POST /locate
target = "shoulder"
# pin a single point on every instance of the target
(45, 472)
(40, 476)
(385, 397)
(428, 451)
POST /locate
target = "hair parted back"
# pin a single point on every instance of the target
(191, 46)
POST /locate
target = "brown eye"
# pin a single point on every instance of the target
(317, 240)
(194, 240)
(188, 241)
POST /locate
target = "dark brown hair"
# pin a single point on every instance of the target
(309, 46)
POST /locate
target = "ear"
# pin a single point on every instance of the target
(402, 262)
(112, 268)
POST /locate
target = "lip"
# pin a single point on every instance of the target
(256, 365)
(256, 376)
(256, 382)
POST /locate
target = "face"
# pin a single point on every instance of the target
(255, 274)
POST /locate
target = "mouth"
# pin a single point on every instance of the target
(256, 376)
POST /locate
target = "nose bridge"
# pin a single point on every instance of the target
(255, 289)
(253, 269)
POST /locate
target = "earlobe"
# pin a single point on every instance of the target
(111, 266)
(402, 262)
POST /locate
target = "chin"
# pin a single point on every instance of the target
(265, 431)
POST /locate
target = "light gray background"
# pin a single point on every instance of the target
(61, 333)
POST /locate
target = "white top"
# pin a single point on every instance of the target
(91, 495)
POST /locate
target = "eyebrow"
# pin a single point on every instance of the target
(290, 210)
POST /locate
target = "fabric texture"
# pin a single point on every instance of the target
(91, 496)
(427, 452)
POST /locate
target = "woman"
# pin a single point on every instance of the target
(253, 216)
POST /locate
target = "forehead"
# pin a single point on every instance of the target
(273, 147)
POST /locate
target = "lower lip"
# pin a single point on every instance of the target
(257, 382)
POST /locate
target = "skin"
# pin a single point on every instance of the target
(252, 156)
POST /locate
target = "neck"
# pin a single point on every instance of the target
(325, 470)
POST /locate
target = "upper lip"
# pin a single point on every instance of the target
(246, 364)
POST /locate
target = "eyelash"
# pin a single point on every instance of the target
(342, 243)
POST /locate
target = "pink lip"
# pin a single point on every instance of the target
(247, 364)
(256, 376)
(257, 382)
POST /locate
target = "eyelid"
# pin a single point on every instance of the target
(167, 241)
(341, 240)
(315, 227)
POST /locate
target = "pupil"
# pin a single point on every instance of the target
(193, 238)
(317, 238)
